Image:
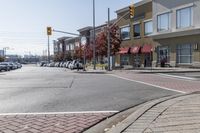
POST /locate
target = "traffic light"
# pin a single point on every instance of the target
(132, 11)
(49, 31)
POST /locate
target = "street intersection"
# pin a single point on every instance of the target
(55, 97)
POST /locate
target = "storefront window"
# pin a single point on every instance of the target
(148, 28)
(184, 17)
(184, 54)
(125, 59)
(164, 22)
(163, 55)
(125, 33)
(136, 30)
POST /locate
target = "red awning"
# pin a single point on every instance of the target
(146, 49)
(123, 50)
(135, 50)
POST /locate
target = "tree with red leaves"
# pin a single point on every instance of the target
(89, 52)
(79, 52)
(102, 41)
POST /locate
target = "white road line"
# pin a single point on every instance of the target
(58, 113)
(175, 76)
(157, 86)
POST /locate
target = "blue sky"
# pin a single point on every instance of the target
(23, 22)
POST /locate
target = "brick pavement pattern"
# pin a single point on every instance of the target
(49, 123)
(158, 80)
(179, 115)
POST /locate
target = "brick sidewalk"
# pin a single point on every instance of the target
(179, 115)
(181, 85)
(49, 123)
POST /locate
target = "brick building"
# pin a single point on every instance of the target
(137, 48)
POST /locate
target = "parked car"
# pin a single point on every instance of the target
(52, 64)
(56, 64)
(64, 64)
(18, 65)
(4, 67)
(42, 63)
(60, 64)
(67, 64)
(14, 65)
(9, 65)
(75, 65)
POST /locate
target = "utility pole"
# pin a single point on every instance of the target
(108, 26)
(94, 38)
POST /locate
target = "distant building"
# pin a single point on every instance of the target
(13, 58)
(32, 59)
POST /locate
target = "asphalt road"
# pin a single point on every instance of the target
(38, 89)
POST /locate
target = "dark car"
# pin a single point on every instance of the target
(4, 67)
(10, 65)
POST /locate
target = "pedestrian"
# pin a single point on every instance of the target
(77, 65)
(145, 62)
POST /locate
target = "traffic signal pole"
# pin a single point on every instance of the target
(48, 50)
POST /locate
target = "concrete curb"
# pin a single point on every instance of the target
(136, 115)
(137, 112)
(112, 120)
(133, 117)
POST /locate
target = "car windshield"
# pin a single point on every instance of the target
(100, 66)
